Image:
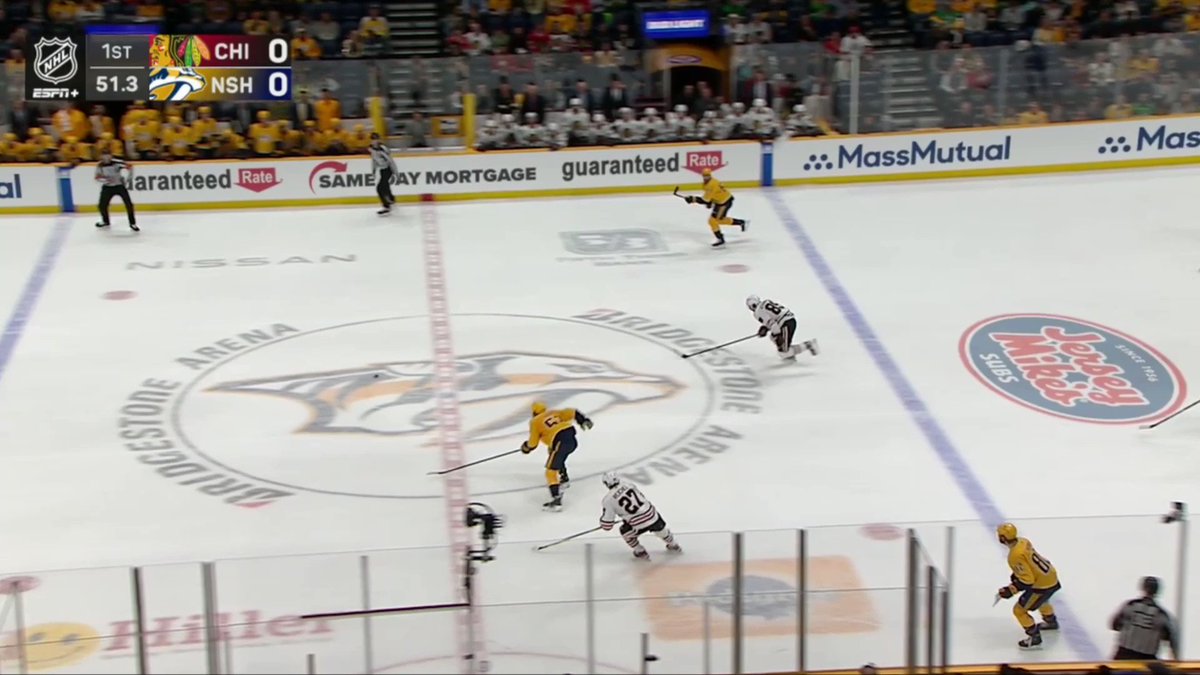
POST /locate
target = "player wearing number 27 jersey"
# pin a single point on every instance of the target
(1035, 578)
(626, 503)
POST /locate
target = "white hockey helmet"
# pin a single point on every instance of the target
(681, 109)
(599, 118)
(752, 301)
(552, 126)
(530, 117)
(651, 112)
(575, 102)
(611, 479)
(799, 108)
(709, 114)
(739, 107)
(760, 103)
(507, 119)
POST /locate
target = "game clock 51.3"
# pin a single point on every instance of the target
(128, 85)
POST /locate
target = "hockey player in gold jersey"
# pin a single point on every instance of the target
(716, 197)
(1035, 579)
(556, 429)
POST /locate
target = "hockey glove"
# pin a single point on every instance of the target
(525, 449)
(1005, 592)
(585, 422)
(690, 199)
(762, 331)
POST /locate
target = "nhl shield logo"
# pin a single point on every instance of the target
(54, 59)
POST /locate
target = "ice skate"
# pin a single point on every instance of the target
(554, 505)
(641, 553)
(101, 225)
(811, 346)
(1032, 642)
(674, 547)
(1048, 623)
(134, 227)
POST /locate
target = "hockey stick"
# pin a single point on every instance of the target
(565, 539)
(996, 600)
(478, 461)
(712, 349)
(1173, 415)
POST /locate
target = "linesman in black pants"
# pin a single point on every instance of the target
(1144, 626)
(381, 158)
(110, 173)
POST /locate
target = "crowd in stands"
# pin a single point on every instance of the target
(183, 131)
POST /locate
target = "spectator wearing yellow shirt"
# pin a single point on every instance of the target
(231, 145)
(264, 136)
(40, 147)
(109, 144)
(176, 140)
(1192, 21)
(73, 152)
(291, 141)
(358, 140)
(1119, 110)
(62, 11)
(133, 115)
(314, 139)
(374, 26)
(560, 23)
(145, 138)
(256, 24)
(336, 139)
(1144, 65)
(961, 6)
(70, 121)
(922, 7)
(305, 47)
(10, 148)
(151, 10)
(205, 134)
(327, 109)
(499, 6)
(1033, 115)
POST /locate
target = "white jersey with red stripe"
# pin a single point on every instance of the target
(627, 503)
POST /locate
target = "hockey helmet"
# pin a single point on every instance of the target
(760, 103)
(611, 480)
(1006, 533)
(752, 302)
(681, 109)
(651, 112)
(538, 408)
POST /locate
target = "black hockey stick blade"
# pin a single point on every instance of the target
(721, 346)
(1173, 415)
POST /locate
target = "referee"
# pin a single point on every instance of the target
(381, 158)
(1143, 626)
(110, 174)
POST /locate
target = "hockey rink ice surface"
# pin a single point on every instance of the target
(207, 391)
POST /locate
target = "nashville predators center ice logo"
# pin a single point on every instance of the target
(495, 390)
(173, 60)
(1072, 368)
(54, 59)
(352, 410)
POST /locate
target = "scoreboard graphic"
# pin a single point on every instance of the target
(159, 67)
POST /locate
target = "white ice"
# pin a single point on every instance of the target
(257, 378)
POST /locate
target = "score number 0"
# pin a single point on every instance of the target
(277, 53)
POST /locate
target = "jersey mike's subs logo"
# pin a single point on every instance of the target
(400, 399)
(1072, 368)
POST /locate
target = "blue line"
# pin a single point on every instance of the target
(971, 487)
(33, 290)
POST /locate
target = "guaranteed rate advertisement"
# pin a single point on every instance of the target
(338, 179)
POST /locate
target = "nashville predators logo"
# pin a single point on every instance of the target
(494, 391)
(173, 63)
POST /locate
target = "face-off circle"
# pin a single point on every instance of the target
(352, 409)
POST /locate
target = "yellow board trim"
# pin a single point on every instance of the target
(30, 210)
(576, 192)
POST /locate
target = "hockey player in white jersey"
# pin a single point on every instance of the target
(653, 126)
(779, 321)
(626, 503)
(685, 126)
(763, 120)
